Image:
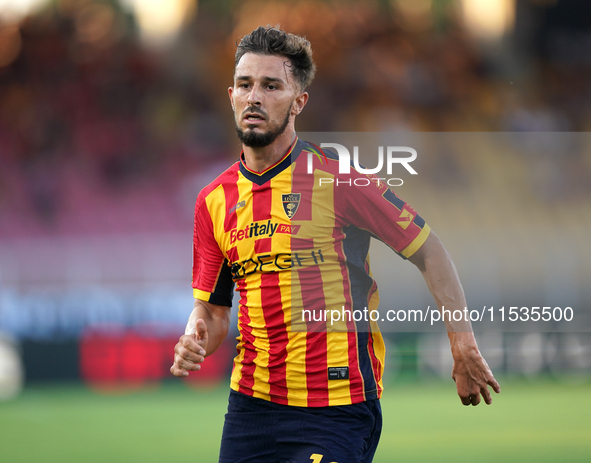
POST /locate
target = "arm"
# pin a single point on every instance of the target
(470, 371)
(206, 330)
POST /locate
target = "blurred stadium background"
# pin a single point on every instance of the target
(113, 115)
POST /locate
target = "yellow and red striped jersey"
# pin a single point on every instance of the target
(295, 245)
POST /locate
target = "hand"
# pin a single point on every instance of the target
(472, 375)
(190, 350)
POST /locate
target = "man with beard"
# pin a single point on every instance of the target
(302, 395)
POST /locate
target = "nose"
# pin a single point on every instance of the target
(254, 98)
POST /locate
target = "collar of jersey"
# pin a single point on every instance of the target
(262, 177)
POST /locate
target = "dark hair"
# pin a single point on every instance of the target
(272, 41)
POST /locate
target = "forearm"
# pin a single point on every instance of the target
(217, 319)
(442, 279)
(470, 371)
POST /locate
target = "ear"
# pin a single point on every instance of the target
(230, 92)
(299, 103)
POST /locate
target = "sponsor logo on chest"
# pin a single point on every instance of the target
(262, 230)
(254, 230)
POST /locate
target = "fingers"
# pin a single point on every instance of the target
(176, 371)
(496, 387)
(486, 395)
(492, 382)
(188, 356)
(190, 350)
(473, 397)
(470, 399)
(472, 377)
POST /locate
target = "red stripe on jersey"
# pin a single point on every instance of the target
(233, 254)
(301, 243)
(277, 334)
(262, 201)
(248, 366)
(356, 385)
(303, 183)
(337, 236)
(317, 369)
(232, 198)
(316, 346)
(262, 245)
(261, 210)
(207, 257)
(240, 286)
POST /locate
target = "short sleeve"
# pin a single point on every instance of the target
(212, 277)
(375, 208)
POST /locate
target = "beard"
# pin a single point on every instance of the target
(253, 139)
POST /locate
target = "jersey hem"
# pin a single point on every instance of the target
(417, 242)
(201, 295)
(343, 400)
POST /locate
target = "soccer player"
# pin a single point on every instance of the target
(300, 391)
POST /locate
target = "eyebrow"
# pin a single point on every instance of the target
(265, 78)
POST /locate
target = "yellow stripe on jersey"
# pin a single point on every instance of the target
(244, 218)
(261, 342)
(323, 218)
(295, 372)
(339, 392)
(202, 295)
(216, 205)
(417, 242)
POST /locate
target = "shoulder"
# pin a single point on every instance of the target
(228, 177)
(323, 159)
(343, 170)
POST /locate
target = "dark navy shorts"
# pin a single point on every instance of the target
(258, 431)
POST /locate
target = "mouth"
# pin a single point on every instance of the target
(253, 118)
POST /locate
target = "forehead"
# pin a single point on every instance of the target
(258, 66)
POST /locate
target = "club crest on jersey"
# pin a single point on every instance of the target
(291, 202)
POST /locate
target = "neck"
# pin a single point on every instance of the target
(260, 159)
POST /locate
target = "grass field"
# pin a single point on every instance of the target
(537, 421)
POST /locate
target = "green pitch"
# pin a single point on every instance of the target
(537, 421)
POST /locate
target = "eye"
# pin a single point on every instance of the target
(272, 87)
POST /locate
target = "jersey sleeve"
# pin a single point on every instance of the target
(212, 278)
(377, 209)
